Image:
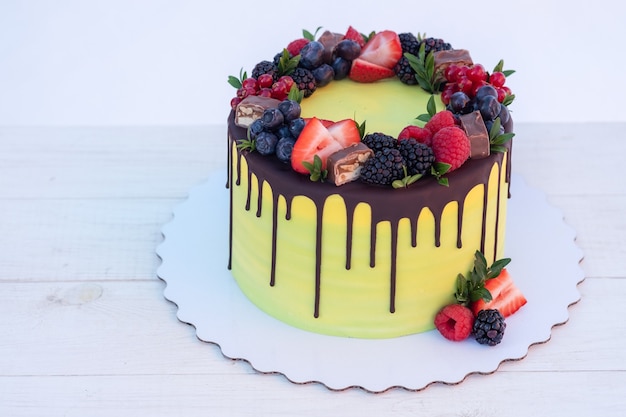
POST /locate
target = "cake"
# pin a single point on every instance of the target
(324, 238)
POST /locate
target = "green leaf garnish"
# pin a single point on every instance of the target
(424, 66)
(497, 139)
(310, 36)
(315, 169)
(471, 288)
(406, 180)
(287, 63)
(438, 169)
(295, 94)
(237, 82)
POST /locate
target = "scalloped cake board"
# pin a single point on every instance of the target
(194, 253)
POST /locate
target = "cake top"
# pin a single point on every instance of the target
(339, 106)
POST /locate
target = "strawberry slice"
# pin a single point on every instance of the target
(315, 139)
(354, 35)
(346, 132)
(325, 122)
(383, 49)
(365, 72)
(506, 297)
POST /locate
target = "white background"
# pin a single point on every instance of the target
(165, 62)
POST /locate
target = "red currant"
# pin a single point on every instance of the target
(265, 92)
(497, 79)
(242, 93)
(451, 72)
(477, 85)
(501, 94)
(234, 102)
(279, 90)
(250, 83)
(466, 85)
(477, 73)
(287, 80)
(265, 81)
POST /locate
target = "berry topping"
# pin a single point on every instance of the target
(379, 141)
(454, 322)
(383, 49)
(418, 158)
(304, 80)
(385, 167)
(354, 35)
(505, 295)
(312, 55)
(451, 146)
(319, 140)
(488, 328)
(295, 46)
(348, 49)
(420, 134)
(366, 72)
(440, 120)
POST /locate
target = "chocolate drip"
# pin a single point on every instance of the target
(386, 204)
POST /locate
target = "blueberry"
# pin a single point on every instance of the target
(347, 49)
(489, 107)
(323, 74)
(290, 110)
(272, 118)
(266, 143)
(504, 115)
(485, 90)
(255, 128)
(459, 101)
(283, 132)
(284, 148)
(341, 67)
(312, 55)
(296, 126)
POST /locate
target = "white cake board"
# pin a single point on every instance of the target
(194, 253)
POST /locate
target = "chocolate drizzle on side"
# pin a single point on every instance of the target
(386, 204)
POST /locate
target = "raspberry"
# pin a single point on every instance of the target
(294, 47)
(420, 134)
(451, 146)
(455, 322)
(440, 120)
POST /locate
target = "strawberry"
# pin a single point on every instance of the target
(346, 132)
(296, 46)
(454, 322)
(506, 297)
(315, 139)
(365, 72)
(383, 49)
(354, 35)
(325, 122)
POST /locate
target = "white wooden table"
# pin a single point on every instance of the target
(85, 329)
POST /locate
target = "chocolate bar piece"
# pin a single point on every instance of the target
(453, 56)
(476, 131)
(345, 165)
(252, 108)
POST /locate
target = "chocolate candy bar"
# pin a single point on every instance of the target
(345, 165)
(454, 56)
(476, 131)
(252, 108)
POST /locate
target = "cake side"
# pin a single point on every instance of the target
(359, 261)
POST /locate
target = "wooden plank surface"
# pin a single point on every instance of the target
(87, 331)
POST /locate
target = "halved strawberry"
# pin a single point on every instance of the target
(365, 72)
(346, 132)
(506, 297)
(325, 122)
(383, 49)
(315, 139)
(354, 35)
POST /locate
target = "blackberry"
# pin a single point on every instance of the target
(384, 167)
(379, 141)
(304, 80)
(265, 67)
(409, 43)
(404, 72)
(418, 157)
(435, 44)
(489, 327)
